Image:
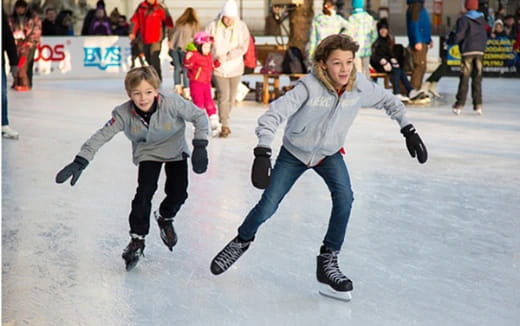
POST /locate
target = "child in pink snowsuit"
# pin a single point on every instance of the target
(200, 64)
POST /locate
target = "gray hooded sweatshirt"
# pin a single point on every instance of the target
(163, 139)
(318, 120)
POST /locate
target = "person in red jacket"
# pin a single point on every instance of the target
(200, 64)
(148, 20)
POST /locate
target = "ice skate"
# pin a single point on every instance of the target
(403, 98)
(478, 109)
(333, 283)
(216, 126)
(9, 133)
(431, 88)
(229, 255)
(168, 235)
(133, 251)
(457, 109)
(415, 94)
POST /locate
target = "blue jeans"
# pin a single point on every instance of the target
(398, 75)
(286, 171)
(178, 64)
(5, 121)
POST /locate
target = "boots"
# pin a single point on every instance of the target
(133, 251)
(225, 132)
(229, 255)
(168, 235)
(9, 133)
(216, 126)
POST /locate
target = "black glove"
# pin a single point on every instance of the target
(414, 143)
(261, 171)
(73, 169)
(199, 157)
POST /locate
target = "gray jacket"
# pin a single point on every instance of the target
(318, 121)
(162, 140)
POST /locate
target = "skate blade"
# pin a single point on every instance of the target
(329, 292)
(11, 137)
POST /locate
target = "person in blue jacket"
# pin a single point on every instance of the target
(319, 111)
(420, 38)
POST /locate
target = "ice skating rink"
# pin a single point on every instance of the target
(433, 244)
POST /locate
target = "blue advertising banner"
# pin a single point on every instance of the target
(500, 58)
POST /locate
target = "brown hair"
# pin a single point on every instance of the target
(189, 17)
(326, 5)
(325, 47)
(135, 76)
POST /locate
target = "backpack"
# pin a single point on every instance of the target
(273, 63)
(293, 62)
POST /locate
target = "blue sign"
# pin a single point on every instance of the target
(102, 57)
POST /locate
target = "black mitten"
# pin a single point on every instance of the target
(73, 169)
(199, 157)
(261, 172)
(414, 143)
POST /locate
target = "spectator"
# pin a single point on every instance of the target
(470, 34)
(66, 21)
(100, 25)
(9, 48)
(250, 57)
(121, 27)
(231, 41)
(419, 38)
(362, 28)
(185, 27)
(151, 19)
(498, 31)
(326, 23)
(50, 25)
(510, 27)
(27, 28)
(273, 21)
(90, 15)
(384, 59)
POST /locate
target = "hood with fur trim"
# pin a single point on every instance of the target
(324, 77)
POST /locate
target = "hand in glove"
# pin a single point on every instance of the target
(73, 169)
(414, 143)
(261, 171)
(199, 157)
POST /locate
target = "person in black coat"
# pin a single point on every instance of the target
(385, 59)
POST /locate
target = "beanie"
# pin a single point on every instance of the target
(413, 1)
(358, 4)
(472, 4)
(230, 9)
(383, 23)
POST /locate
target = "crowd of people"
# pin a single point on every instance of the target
(152, 22)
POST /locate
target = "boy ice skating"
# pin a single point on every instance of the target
(155, 124)
(200, 63)
(319, 111)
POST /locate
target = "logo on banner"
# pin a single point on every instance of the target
(52, 53)
(102, 57)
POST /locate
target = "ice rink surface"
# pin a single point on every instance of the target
(432, 244)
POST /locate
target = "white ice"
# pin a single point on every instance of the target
(432, 244)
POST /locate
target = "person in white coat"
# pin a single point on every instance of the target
(231, 41)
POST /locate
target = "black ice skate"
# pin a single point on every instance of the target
(168, 235)
(229, 255)
(133, 251)
(334, 283)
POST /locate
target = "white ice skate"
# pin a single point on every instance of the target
(9, 133)
(216, 126)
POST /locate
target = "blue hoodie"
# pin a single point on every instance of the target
(418, 23)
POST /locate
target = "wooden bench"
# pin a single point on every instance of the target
(386, 77)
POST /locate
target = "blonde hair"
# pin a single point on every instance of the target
(136, 75)
(325, 48)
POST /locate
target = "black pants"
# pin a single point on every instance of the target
(471, 67)
(175, 188)
(151, 53)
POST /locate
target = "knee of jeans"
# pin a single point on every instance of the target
(344, 196)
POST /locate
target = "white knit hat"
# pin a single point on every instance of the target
(230, 9)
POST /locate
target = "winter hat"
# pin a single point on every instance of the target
(413, 1)
(472, 4)
(203, 37)
(358, 4)
(21, 3)
(230, 9)
(383, 23)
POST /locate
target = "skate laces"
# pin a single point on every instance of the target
(231, 253)
(331, 268)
